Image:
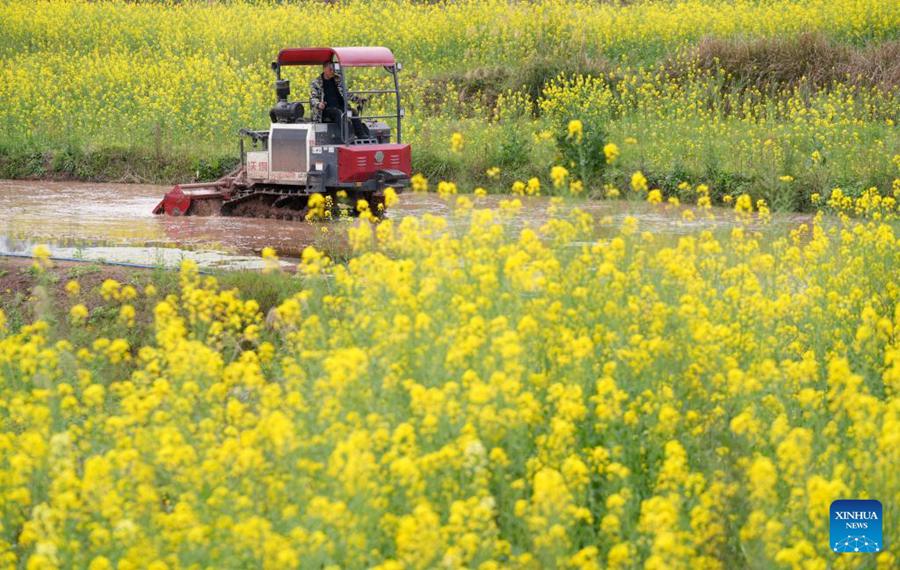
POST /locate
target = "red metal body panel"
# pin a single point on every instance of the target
(349, 56)
(358, 163)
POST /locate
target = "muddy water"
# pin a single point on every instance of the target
(114, 222)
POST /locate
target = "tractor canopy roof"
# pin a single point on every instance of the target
(347, 56)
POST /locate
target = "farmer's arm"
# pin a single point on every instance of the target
(315, 93)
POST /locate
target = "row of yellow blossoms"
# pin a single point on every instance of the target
(467, 393)
(869, 204)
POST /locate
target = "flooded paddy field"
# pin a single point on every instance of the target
(113, 223)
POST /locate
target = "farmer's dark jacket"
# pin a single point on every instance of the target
(317, 94)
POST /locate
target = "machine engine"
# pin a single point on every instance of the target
(284, 111)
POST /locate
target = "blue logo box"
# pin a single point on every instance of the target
(856, 526)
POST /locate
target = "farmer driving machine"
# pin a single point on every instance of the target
(297, 157)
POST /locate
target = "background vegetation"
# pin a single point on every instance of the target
(734, 94)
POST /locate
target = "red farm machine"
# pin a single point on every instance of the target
(298, 156)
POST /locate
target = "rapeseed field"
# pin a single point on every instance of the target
(477, 388)
(581, 394)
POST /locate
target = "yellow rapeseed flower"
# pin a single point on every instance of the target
(611, 151)
(78, 314)
(575, 130)
(456, 142)
(391, 198)
(73, 288)
(419, 183)
(558, 175)
(41, 255)
(270, 260)
(638, 182)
